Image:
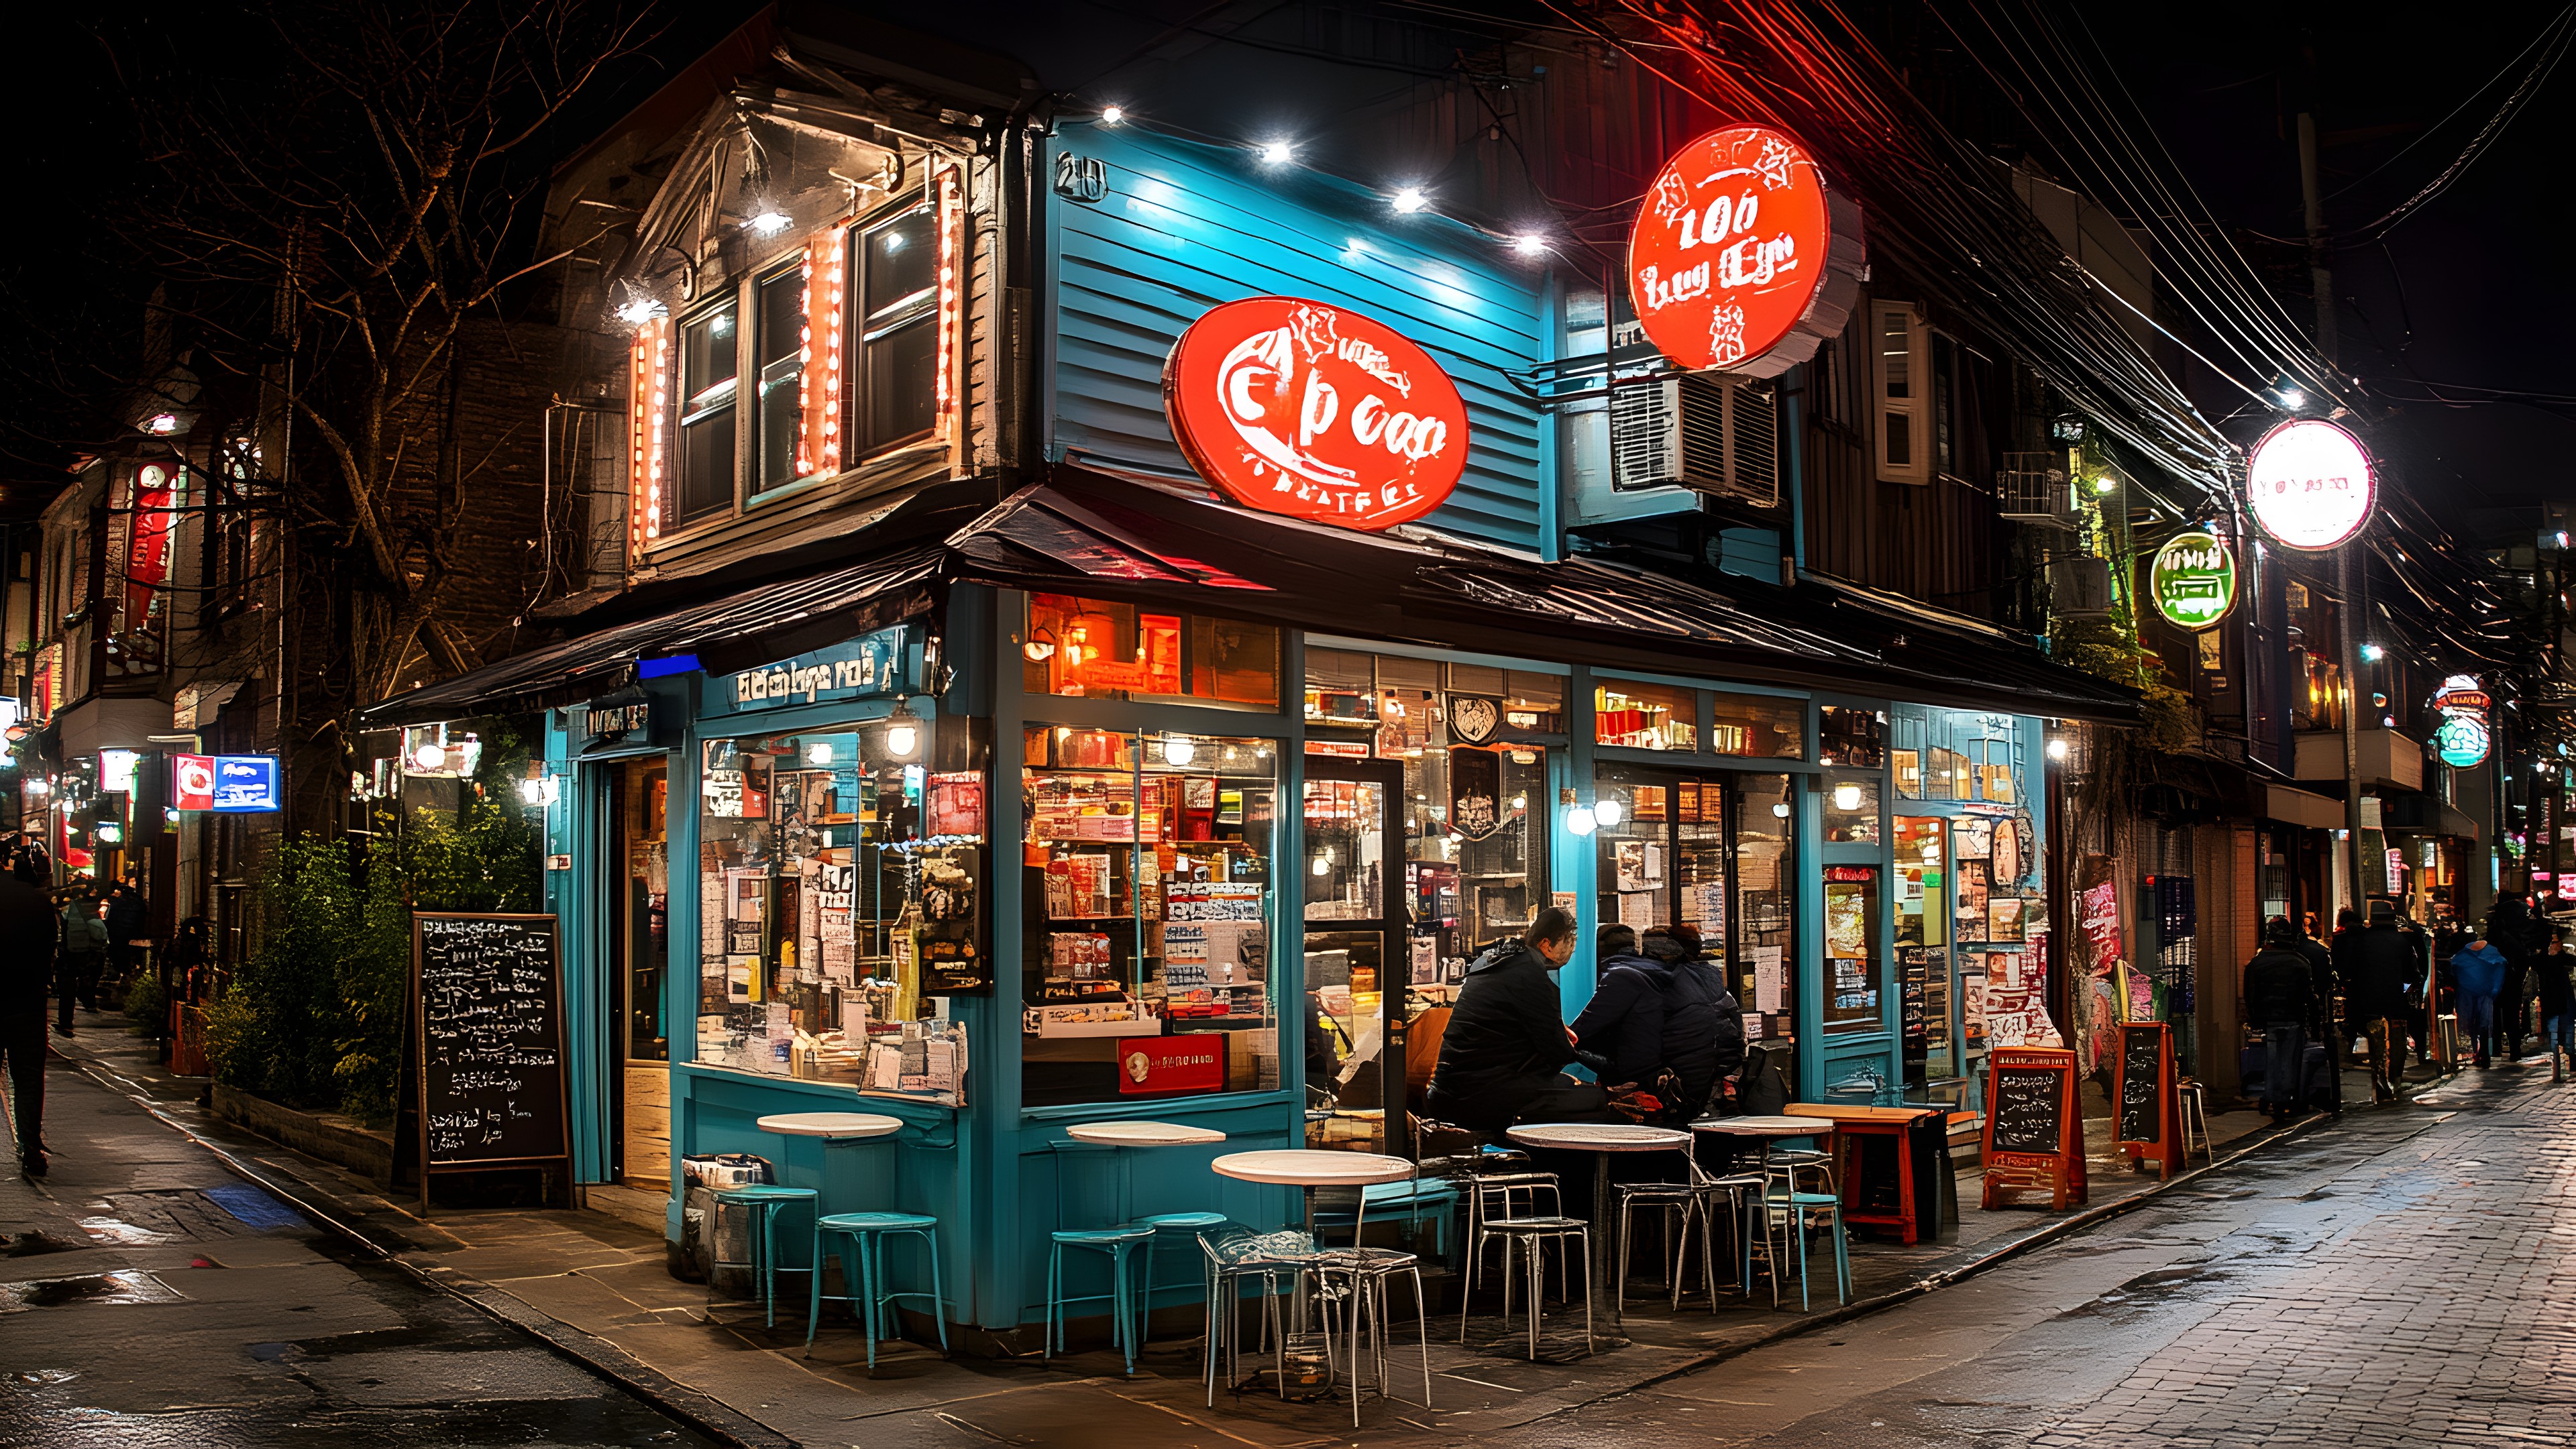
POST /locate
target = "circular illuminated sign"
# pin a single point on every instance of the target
(1316, 412)
(1730, 251)
(2194, 579)
(2310, 484)
(2462, 740)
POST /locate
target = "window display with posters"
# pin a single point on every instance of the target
(835, 911)
(1148, 858)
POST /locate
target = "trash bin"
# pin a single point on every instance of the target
(701, 1247)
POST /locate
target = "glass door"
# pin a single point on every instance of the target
(1356, 956)
(638, 873)
(1926, 972)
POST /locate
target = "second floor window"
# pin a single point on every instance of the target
(706, 444)
(898, 329)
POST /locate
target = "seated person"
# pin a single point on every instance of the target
(1703, 1041)
(1624, 1020)
(1501, 1058)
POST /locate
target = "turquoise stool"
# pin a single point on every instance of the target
(859, 1241)
(1119, 1244)
(1782, 1194)
(1184, 1227)
(764, 1203)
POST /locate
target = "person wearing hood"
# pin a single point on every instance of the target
(2480, 969)
(1624, 1020)
(1502, 1058)
(2281, 1002)
(2551, 984)
(2382, 969)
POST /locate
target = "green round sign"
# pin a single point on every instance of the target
(2194, 579)
(2462, 740)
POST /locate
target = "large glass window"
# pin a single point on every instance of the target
(1148, 862)
(1758, 726)
(1097, 649)
(707, 372)
(1715, 853)
(840, 887)
(780, 348)
(1852, 972)
(898, 329)
(1645, 716)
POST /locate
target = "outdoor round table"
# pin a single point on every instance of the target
(835, 1128)
(1601, 1139)
(1765, 1130)
(1117, 1135)
(1311, 1168)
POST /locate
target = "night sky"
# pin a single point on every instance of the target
(2470, 290)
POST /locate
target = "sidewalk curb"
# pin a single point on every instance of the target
(712, 1417)
(700, 1411)
(2045, 1236)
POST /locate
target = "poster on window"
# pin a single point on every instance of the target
(1770, 981)
(1475, 792)
(957, 804)
(735, 785)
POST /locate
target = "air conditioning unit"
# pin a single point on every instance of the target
(1703, 430)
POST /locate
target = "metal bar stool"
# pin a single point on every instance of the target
(859, 1239)
(1367, 1272)
(763, 1202)
(1529, 1234)
(1118, 1244)
(1235, 1255)
(1737, 1191)
(1485, 1195)
(2192, 1116)
(1781, 1194)
(1180, 1229)
(1665, 1199)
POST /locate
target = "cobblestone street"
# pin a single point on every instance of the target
(2405, 1276)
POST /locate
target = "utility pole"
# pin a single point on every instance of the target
(2348, 557)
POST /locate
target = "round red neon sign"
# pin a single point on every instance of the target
(1316, 412)
(1730, 249)
(2310, 484)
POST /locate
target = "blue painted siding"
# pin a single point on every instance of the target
(1185, 227)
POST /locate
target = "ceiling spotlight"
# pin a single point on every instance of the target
(903, 731)
(1608, 812)
(1411, 199)
(2057, 749)
(162, 423)
(1112, 115)
(1179, 749)
(1277, 153)
(1529, 244)
(638, 311)
(768, 221)
(2373, 653)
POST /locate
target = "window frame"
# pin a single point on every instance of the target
(689, 414)
(913, 309)
(1914, 408)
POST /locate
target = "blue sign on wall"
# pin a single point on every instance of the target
(869, 665)
(246, 783)
(1173, 228)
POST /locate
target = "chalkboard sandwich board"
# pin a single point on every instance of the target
(2144, 1119)
(487, 1004)
(2034, 1126)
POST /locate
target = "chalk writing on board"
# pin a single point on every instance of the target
(2026, 1107)
(2141, 1103)
(491, 1054)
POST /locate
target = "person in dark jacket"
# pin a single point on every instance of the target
(27, 935)
(2382, 969)
(1624, 1020)
(127, 919)
(1502, 1057)
(2322, 979)
(84, 951)
(2517, 937)
(2550, 982)
(2479, 968)
(1703, 1024)
(2281, 1002)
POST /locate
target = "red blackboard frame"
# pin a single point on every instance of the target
(2061, 1172)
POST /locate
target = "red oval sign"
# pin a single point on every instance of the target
(1299, 408)
(1730, 247)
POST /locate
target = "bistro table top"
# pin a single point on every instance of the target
(1765, 1126)
(1312, 1167)
(1600, 1136)
(1142, 1134)
(832, 1124)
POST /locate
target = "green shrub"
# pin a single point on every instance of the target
(147, 1006)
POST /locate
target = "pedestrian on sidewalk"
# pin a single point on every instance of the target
(26, 968)
(2382, 970)
(2281, 1002)
(84, 954)
(2479, 968)
(128, 917)
(2550, 980)
(2324, 983)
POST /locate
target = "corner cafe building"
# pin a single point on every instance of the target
(1178, 779)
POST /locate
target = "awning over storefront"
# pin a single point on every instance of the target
(742, 629)
(1089, 533)
(2303, 808)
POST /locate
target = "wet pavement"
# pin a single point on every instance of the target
(2389, 1277)
(150, 1296)
(2401, 1276)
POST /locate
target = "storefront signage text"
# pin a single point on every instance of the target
(871, 664)
(1308, 410)
(1158, 1065)
(2310, 484)
(2194, 579)
(2462, 738)
(227, 784)
(1730, 248)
